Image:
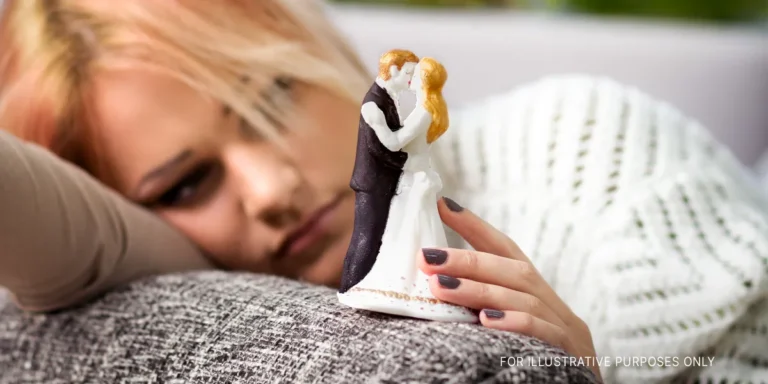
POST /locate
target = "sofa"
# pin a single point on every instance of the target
(218, 327)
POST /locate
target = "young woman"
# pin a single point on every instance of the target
(160, 136)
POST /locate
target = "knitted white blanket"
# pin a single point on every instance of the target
(645, 225)
(762, 171)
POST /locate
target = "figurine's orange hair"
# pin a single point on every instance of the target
(396, 57)
(433, 77)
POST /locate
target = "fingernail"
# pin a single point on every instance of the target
(493, 313)
(434, 256)
(448, 281)
(452, 205)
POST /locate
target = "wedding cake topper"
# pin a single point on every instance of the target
(396, 192)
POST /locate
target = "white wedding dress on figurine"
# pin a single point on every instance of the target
(395, 284)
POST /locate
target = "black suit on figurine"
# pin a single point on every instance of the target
(374, 180)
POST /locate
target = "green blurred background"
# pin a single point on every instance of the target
(709, 11)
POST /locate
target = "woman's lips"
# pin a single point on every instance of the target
(310, 232)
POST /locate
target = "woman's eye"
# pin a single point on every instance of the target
(193, 188)
(284, 83)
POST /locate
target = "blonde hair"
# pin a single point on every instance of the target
(396, 57)
(433, 77)
(51, 48)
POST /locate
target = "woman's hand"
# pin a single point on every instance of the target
(500, 280)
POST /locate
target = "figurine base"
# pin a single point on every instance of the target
(400, 304)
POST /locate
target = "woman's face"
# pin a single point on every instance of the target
(245, 202)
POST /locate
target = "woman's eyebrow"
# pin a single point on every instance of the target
(163, 169)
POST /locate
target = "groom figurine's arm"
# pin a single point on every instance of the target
(384, 136)
(374, 117)
(394, 141)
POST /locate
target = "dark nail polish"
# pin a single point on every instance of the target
(434, 256)
(448, 281)
(452, 205)
(493, 313)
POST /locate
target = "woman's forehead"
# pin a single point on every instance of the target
(140, 91)
(144, 117)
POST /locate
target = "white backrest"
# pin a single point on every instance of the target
(718, 76)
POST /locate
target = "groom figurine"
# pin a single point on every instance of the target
(377, 169)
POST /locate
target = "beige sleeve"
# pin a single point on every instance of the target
(65, 238)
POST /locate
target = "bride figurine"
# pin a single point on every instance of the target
(395, 284)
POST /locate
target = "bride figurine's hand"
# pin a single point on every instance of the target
(499, 279)
(437, 182)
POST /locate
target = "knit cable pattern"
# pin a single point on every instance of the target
(643, 223)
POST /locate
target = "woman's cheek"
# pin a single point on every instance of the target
(217, 226)
(326, 159)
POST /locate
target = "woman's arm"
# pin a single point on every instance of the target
(65, 238)
(634, 215)
(684, 276)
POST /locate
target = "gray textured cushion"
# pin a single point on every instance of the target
(217, 327)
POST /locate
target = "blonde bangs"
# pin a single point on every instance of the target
(233, 52)
(229, 50)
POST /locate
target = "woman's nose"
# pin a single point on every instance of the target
(267, 185)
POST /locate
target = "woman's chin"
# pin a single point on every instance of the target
(328, 269)
(327, 273)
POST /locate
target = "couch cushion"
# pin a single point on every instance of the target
(217, 327)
